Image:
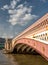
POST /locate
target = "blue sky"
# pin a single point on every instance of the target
(17, 15)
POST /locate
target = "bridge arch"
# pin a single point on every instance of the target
(23, 48)
(24, 45)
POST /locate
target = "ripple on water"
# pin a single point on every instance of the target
(26, 59)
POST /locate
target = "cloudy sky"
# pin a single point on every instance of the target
(17, 15)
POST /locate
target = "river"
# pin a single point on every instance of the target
(21, 59)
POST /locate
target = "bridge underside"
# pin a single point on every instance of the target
(24, 49)
(26, 45)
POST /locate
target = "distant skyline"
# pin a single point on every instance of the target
(17, 15)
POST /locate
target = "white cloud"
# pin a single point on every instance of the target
(27, 17)
(13, 4)
(19, 14)
(5, 7)
(11, 12)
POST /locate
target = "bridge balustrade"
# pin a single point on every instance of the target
(43, 36)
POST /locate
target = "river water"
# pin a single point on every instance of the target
(21, 59)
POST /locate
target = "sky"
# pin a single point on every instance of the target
(17, 15)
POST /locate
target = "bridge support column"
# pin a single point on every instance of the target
(8, 45)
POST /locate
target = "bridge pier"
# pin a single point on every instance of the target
(8, 45)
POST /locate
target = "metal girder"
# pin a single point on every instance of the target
(24, 47)
(19, 47)
(28, 49)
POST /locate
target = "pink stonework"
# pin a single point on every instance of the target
(40, 47)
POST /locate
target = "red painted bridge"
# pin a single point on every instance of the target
(33, 38)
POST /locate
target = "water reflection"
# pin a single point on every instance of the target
(26, 59)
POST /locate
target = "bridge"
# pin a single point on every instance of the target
(34, 38)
